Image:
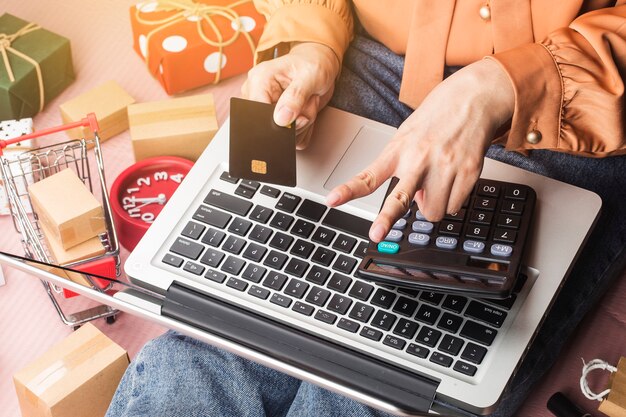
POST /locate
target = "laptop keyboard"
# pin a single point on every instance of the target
(299, 255)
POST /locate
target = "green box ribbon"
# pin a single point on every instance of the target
(20, 91)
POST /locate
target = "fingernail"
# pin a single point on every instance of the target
(377, 233)
(284, 116)
(332, 198)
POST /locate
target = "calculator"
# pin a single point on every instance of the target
(476, 251)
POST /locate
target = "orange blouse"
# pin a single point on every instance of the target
(566, 59)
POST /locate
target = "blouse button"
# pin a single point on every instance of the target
(534, 137)
(485, 12)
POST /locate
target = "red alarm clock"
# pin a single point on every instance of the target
(139, 193)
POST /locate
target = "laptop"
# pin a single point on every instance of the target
(254, 273)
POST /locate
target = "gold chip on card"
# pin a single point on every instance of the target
(259, 167)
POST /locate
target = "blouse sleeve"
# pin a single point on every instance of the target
(569, 89)
(328, 22)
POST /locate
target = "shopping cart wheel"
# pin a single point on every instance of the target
(110, 319)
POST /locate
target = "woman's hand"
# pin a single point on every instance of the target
(437, 153)
(300, 83)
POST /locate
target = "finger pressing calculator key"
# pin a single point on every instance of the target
(477, 251)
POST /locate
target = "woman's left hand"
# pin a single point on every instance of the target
(437, 153)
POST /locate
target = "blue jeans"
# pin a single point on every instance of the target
(177, 376)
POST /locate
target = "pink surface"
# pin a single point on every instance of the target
(102, 50)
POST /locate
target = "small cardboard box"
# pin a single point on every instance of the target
(614, 405)
(85, 250)
(76, 378)
(108, 101)
(177, 127)
(67, 208)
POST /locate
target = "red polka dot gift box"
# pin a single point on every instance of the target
(188, 44)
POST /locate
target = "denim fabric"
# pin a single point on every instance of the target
(178, 376)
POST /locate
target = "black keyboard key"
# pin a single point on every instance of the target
(234, 244)
(186, 248)
(427, 314)
(323, 236)
(512, 207)
(406, 328)
(318, 296)
(253, 185)
(360, 290)
(481, 217)
(476, 232)
(254, 273)
(261, 214)
(215, 276)
(193, 230)
(323, 256)
(478, 333)
(228, 202)
(348, 325)
(281, 300)
(233, 265)
(259, 292)
(450, 228)
(430, 297)
(394, 342)
(339, 282)
(451, 344)
(506, 303)
(245, 191)
(344, 264)
(441, 359)
(474, 353)
(173, 260)
(383, 298)
(485, 313)
(254, 252)
(361, 250)
(417, 350)
(450, 322)
(212, 257)
(275, 260)
(344, 243)
(383, 320)
(302, 308)
(311, 210)
(484, 203)
(465, 368)
(408, 291)
(194, 268)
(281, 221)
(454, 303)
(302, 228)
(239, 226)
(237, 284)
(339, 304)
(361, 312)
(509, 221)
(302, 248)
(281, 241)
(317, 275)
(275, 280)
(296, 288)
(296, 267)
(270, 191)
(288, 202)
(515, 192)
(459, 216)
(325, 316)
(228, 178)
(503, 235)
(260, 234)
(405, 306)
(487, 189)
(428, 336)
(371, 334)
(348, 223)
(213, 237)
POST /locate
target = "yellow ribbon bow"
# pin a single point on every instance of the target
(187, 8)
(5, 47)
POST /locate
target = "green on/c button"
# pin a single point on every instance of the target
(388, 247)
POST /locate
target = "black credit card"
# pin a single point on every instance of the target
(260, 150)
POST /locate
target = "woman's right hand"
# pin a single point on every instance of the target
(300, 83)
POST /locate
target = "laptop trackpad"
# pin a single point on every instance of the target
(365, 147)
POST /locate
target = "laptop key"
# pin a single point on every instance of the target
(260, 234)
(450, 344)
(323, 236)
(212, 257)
(234, 244)
(430, 297)
(441, 359)
(427, 314)
(281, 241)
(229, 178)
(371, 334)
(339, 282)
(344, 243)
(237, 284)
(383, 320)
(275, 260)
(254, 252)
(296, 288)
(323, 256)
(302, 228)
(394, 342)
(339, 304)
(383, 298)
(259, 292)
(454, 303)
(361, 312)
(186, 248)
(270, 191)
(450, 322)
(428, 336)
(228, 202)
(361, 290)
(348, 325)
(212, 216)
(406, 328)
(193, 230)
(474, 353)
(465, 368)
(405, 306)
(417, 350)
(361, 249)
(302, 308)
(325, 317)
(215, 276)
(254, 273)
(173, 260)
(239, 226)
(194, 268)
(485, 313)
(288, 202)
(281, 221)
(253, 185)
(317, 275)
(344, 264)
(245, 191)
(318, 296)
(311, 210)
(213, 237)
(275, 280)
(261, 214)
(233, 265)
(281, 300)
(302, 248)
(347, 223)
(478, 333)
(296, 267)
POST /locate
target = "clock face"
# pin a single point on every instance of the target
(141, 191)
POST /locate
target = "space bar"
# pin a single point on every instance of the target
(347, 223)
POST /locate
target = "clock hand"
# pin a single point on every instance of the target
(161, 199)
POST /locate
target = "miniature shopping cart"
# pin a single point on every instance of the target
(37, 164)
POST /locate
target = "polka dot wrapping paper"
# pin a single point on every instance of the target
(188, 44)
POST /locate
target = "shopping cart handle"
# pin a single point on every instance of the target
(90, 120)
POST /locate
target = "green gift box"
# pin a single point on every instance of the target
(34, 62)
